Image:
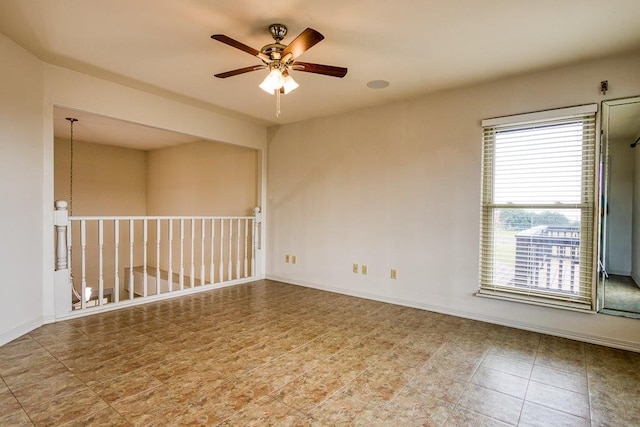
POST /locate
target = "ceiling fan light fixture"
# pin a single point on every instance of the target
(289, 84)
(280, 59)
(273, 82)
(265, 86)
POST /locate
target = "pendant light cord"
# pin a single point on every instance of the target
(73, 288)
(71, 120)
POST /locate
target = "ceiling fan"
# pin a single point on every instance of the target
(280, 59)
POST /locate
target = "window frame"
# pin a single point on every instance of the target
(589, 209)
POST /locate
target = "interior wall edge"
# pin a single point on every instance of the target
(588, 338)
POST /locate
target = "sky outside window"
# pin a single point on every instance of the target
(539, 165)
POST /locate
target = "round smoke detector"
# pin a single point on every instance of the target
(378, 84)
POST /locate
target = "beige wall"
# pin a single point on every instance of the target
(202, 178)
(21, 177)
(107, 180)
(398, 186)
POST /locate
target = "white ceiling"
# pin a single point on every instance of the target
(419, 46)
(94, 128)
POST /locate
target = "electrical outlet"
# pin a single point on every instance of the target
(355, 268)
(363, 269)
(294, 259)
(394, 273)
(286, 259)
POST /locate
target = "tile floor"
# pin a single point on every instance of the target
(268, 353)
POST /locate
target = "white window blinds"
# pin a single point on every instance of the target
(538, 203)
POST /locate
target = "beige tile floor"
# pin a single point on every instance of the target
(268, 353)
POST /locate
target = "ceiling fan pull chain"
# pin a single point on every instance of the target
(277, 103)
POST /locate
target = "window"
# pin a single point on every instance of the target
(538, 206)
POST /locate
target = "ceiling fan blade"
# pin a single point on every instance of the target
(327, 70)
(239, 71)
(235, 43)
(302, 43)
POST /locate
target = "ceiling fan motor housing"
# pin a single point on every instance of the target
(278, 31)
(272, 50)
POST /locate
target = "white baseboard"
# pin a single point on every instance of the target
(21, 330)
(619, 273)
(49, 319)
(593, 339)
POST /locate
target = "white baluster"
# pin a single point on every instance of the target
(192, 270)
(202, 237)
(253, 247)
(246, 247)
(100, 261)
(213, 234)
(230, 267)
(145, 242)
(170, 274)
(221, 268)
(116, 277)
(181, 254)
(131, 277)
(158, 278)
(238, 248)
(255, 235)
(83, 259)
(69, 253)
(257, 213)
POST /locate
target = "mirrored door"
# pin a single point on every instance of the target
(619, 252)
